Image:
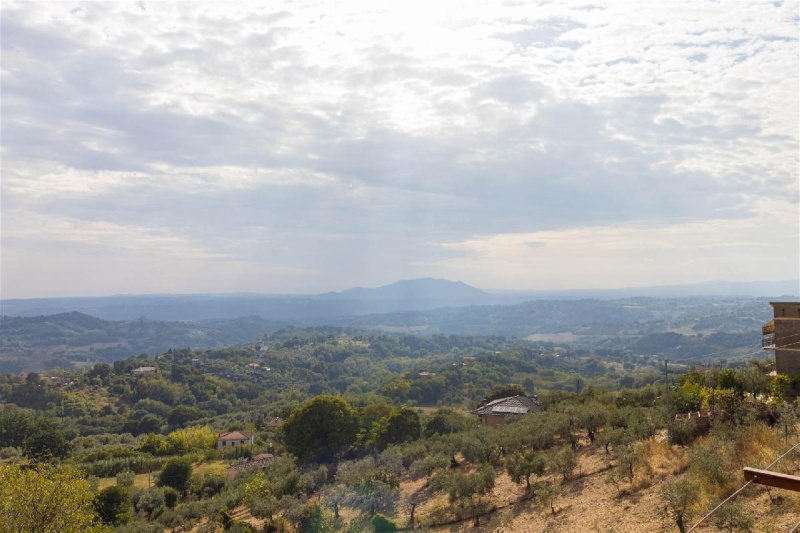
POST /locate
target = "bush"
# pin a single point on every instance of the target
(170, 497)
(175, 474)
(126, 479)
(113, 505)
(382, 523)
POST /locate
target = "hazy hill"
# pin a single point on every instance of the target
(399, 296)
(31, 343)
(408, 295)
(416, 291)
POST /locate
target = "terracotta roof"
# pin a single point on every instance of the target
(234, 435)
(513, 405)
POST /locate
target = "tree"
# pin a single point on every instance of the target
(592, 416)
(113, 505)
(545, 493)
(466, 488)
(175, 474)
(314, 519)
(778, 388)
(680, 497)
(320, 428)
(444, 422)
(45, 499)
(521, 467)
(45, 441)
(564, 462)
(401, 426)
(504, 391)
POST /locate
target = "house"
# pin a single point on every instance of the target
(233, 438)
(782, 334)
(252, 366)
(262, 460)
(142, 370)
(498, 412)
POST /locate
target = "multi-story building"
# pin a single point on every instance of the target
(782, 334)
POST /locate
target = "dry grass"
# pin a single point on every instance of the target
(589, 503)
(140, 481)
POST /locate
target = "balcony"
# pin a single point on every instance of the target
(768, 342)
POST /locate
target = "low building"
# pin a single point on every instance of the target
(139, 371)
(233, 438)
(498, 412)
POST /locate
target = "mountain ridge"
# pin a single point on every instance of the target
(404, 295)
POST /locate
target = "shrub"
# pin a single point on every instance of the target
(126, 479)
(175, 474)
(113, 505)
(382, 523)
(170, 497)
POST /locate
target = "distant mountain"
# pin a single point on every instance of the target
(416, 290)
(408, 295)
(401, 296)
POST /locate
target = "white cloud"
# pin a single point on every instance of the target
(328, 135)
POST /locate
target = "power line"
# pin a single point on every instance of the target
(723, 502)
(740, 489)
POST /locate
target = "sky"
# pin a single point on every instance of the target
(304, 147)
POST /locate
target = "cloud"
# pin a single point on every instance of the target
(357, 145)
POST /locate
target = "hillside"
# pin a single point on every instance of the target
(36, 343)
(682, 329)
(354, 431)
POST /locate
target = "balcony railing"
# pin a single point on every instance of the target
(768, 342)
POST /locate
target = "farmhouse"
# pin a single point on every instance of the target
(233, 438)
(498, 412)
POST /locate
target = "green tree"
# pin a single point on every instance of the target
(175, 474)
(521, 467)
(46, 499)
(778, 388)
(545, 493)
(504, 391)
(320, 428)
(113, 505)
(402, 426)
(315, 519)
(680, 497)
(564, 462)
(444, 422)
(45, 440)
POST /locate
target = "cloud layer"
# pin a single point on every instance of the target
(202, 148)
